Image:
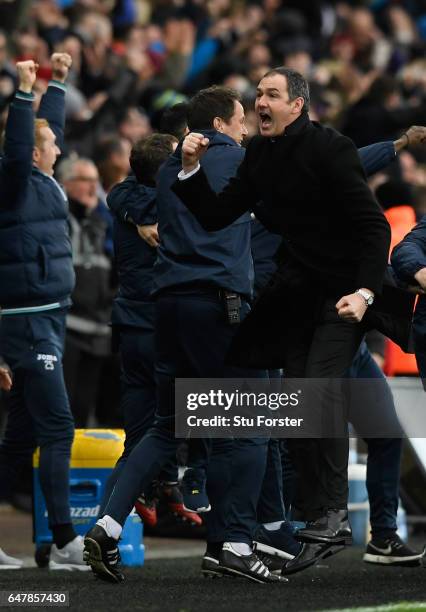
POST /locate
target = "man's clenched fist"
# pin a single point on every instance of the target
(194, 146)
(61, 63)
(416, 135)
(27, 74)
(351, 308)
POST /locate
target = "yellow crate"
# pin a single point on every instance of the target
(93, 448)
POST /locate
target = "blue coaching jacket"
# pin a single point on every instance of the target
(133, 204)
(36, 270)
(188, 254)
(408, 257)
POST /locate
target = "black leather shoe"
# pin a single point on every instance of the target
(309, 555)
(246, 566)
(334, 528)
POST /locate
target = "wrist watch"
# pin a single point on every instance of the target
(369, 299)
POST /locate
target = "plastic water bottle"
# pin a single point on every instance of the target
(401, 522)
(353, 453)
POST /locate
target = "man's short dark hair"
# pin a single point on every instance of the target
(148, 154)
(215, 101)
(297, 85)
(174, 120)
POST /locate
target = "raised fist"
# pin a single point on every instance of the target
(61, 63)
(416, 134)
(193, 148)
(27, 74)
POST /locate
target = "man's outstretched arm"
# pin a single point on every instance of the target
(17, 162)
(52, 106)
(377, 156)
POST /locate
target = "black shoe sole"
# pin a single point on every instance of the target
(93, 557)
(228, 571)
(328, 552)
(212, 574)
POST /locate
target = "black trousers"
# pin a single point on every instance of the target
(82, 372)
(318, 344)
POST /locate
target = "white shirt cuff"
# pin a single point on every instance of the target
(182, 176)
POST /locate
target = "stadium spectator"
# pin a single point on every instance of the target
(111, 157)
(88, 339)
(7, 74)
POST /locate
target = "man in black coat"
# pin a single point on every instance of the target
(310, 319)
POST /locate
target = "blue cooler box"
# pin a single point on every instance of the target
(94, 455)
(359, 508)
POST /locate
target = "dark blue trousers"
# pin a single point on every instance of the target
(270, 506)
(384, 454)
(136, 346)
(38, 408)
(192, 339)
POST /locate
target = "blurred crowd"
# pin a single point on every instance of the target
(132, 60)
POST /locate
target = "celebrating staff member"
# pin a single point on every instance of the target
(314, 193)
(36, 280)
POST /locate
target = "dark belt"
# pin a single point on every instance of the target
(230, 299)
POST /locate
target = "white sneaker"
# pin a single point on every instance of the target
(8, 563)
(70, 557)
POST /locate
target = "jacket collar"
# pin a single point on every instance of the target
(297, 127)
(215, 138)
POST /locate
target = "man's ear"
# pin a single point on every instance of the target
(298, 105)
(217, 124)
(36, 155)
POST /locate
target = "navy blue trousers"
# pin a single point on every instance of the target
(270, 506)
(137, 401)
(38, 408)
(384, 454)
(192, 339)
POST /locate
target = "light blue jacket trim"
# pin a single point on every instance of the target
(30, 309)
